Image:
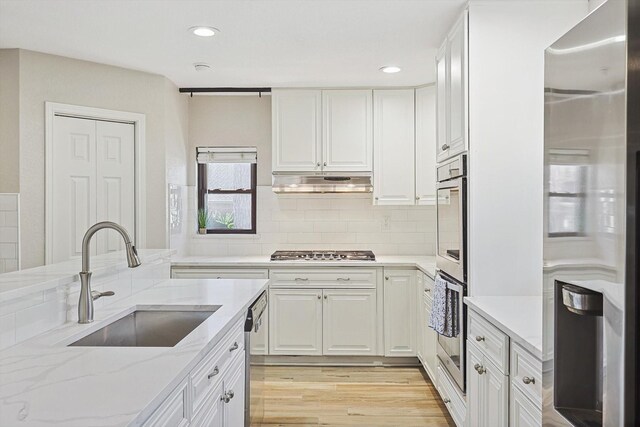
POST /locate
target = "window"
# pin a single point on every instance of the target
(567, 193)
(227, 189)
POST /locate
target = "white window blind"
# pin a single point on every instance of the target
(227, 155)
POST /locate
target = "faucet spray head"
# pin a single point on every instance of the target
(132, 256)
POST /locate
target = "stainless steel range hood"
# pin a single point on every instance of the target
(328, 182)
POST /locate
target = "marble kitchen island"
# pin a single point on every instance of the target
(44, 382)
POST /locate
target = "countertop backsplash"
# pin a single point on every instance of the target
(317, 221)
(9, 232)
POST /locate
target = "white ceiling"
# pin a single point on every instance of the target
(275, 43)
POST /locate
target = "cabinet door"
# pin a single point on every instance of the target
(347, 130)
(295, 322)
(442, 142)
(399, 313)
(475, 388)
(234, 395)
(349, 322)
(394, 147)
(296, 127)
(430, 339)
(523, 412)
(496, 391)
(426, 145)
(260, 340)
(457, 87)
(211, 414)
(421, 329)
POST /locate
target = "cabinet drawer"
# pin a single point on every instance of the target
(324, 278)
(526, 373)
(218, 273)
(451, 398)
(207, 374)
(174, 411)
(493, 343)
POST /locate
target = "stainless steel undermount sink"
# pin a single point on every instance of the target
(152, 326)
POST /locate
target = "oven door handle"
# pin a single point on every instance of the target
(456, 287)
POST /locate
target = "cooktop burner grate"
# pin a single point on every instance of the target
(323, 256)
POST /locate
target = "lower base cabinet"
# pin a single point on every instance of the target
(427, 337)
(487, 391)
(523, 413)
(400, 313)
(451, 396)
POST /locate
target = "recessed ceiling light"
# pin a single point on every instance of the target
(204, 31)
(390, 69)
(201, 66)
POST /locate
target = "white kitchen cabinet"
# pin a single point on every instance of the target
(349, 322)
(394, 147)
(425, 145)
(453, 139)
(523, 413)
(347, 130)
(488, 391)
(296, 130)
(430, 339)
(422, 320)
(295, 320)
(233, 396)
(175, 411)
(400, 313)
(211, 415)
(451, 396)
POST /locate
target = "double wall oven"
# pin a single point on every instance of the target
(451, 257)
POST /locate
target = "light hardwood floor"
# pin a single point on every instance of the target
(351, 396)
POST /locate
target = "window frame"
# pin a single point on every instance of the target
(203, 190)
(582, 195)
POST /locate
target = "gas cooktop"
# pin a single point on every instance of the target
(323, 256)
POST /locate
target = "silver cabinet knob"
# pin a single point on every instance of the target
(325, 164)
(226, 398)
(386, 277)
(213, 373)
(446, 400)
(445, 147)
(529, 380)
(318, 164)
(417, 197)
(479, 338)
(319, 297)
(428, 290)
(325, 297)
(301, 279)
(234, 347)
(479, 368)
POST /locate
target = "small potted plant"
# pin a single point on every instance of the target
(203, 220)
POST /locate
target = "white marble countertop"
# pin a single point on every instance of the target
(43, 382)
(426, 264)
(24, 282)
(518, 317)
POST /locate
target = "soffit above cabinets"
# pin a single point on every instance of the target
(275, 43)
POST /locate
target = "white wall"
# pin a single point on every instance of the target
(9, 120)
(506, 83)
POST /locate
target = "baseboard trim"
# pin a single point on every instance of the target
(340, 361)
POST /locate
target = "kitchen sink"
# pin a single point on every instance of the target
(153, 326)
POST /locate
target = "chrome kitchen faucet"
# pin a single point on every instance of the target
(87, 296)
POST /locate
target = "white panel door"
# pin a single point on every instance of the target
(347, 130)
(394, 147)
(475, 388)
(430, 337)
(426, 145)
(421, 330)
(400, 313)
(296, 128)
(115, 182)
(523, 413)
(442, 141)
(295, 322)
(73, 202)
(260, 340)
(496, 391)
(349, 322)
(457, 87)
(234, 389)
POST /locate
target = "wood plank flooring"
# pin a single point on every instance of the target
(351, 396)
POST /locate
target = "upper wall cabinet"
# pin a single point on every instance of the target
(347, 130)
(394, 146)
(452, 90)
(322, 130)
(297, 130)
(425, 141)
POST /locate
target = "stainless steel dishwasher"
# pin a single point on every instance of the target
(255, 352)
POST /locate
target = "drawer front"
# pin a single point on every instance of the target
(428, 284)
(451, 397)
(324, 278)
(174, 411)
(209, 372)
(526, 373)
(218, 273)
(493, 343)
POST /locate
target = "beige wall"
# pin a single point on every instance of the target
(45, 78)
(9, 121)
(231, 120)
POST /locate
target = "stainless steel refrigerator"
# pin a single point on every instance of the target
(591, 151)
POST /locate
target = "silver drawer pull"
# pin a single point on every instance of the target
(344, 279)
(215, 372)
(428, 290)
(479, 338)
(446, 400)
(445, 147)
(529, 380)
(301, 279)
(226, 398)
(479, 368)
(234, 347)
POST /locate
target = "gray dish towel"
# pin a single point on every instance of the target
(444, 312)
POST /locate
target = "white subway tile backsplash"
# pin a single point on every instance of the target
(326, 221)
(8, 202)
(9, 231)
(9, 234)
